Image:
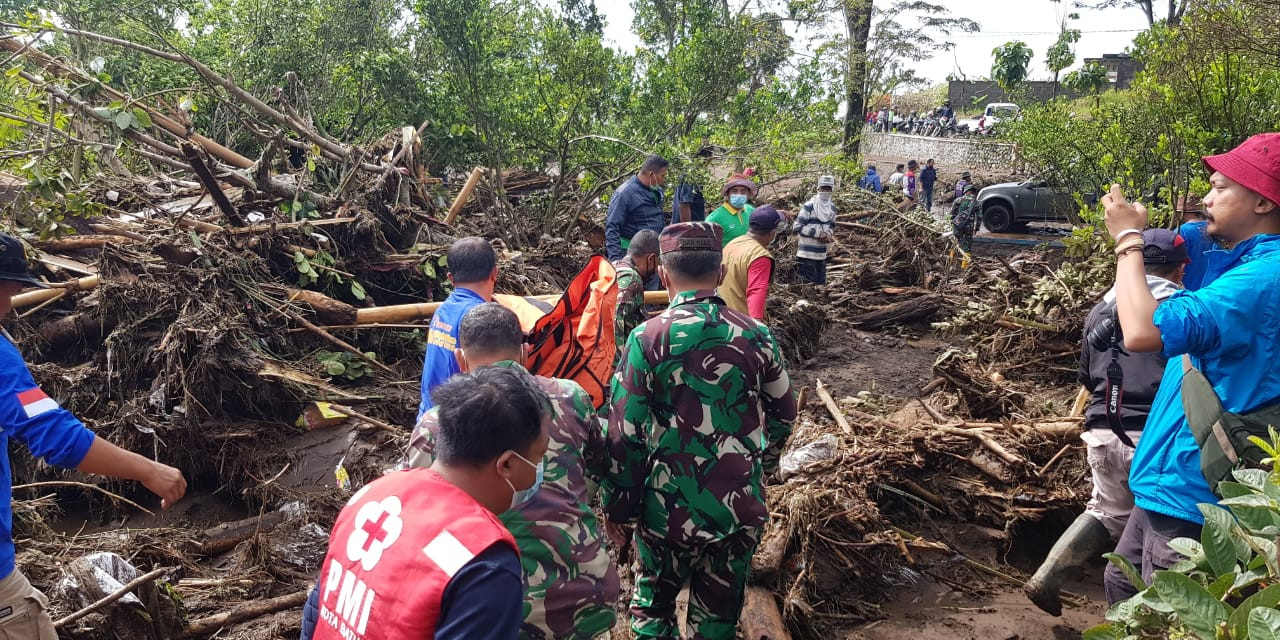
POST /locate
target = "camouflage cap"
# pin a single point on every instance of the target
(691, 236)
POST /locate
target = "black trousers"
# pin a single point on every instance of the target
(1145, 542)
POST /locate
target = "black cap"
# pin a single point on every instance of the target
(1164, 247)
(13, 262)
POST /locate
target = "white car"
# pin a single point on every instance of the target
(992, 114)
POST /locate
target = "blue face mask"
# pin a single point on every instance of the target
(520, 497)
(738, 200)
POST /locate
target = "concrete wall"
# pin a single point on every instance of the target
(952, 153)
(964, 94)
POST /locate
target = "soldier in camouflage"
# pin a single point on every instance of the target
(633, 270)
(571, 584)
(701, 408)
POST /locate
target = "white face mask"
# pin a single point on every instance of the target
(824, 196)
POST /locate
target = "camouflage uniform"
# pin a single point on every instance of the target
(630, 311)
(964, 220)
(571, 584)
(701, 408)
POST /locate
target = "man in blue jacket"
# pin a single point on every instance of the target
(635, 206)
(473, 270)
(52, 433)
(1230, 328)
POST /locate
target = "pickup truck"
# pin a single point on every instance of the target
(1012, 205)
(992, 114)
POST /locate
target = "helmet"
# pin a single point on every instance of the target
(827, 181)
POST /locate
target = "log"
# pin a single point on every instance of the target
(76, 328)
(210, 183)
(464, 195)
(986, 441)
(76, 243)
(36, 296)
(248, 611)
(423, 310)
(761, 619)
(327, 310)
(772, 551)
(226, 536)
(1082, 400)
(833, 408)
(899, 312)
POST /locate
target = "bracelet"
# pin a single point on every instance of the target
(1133, 248)
(1127, 232)
(1125, 246)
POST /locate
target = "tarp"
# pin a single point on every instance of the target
(573, 338)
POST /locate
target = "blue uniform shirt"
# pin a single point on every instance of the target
(35, 419)
(442, 339)
(1208, 260)
(1231, 329)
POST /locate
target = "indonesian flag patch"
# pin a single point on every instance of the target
(36, 402)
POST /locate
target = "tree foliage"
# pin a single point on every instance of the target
(1010, 64)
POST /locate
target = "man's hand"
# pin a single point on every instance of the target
(1121, 214)
(166, 482)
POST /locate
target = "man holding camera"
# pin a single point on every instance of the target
(1122, 386)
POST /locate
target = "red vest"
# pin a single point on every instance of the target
(392, 552)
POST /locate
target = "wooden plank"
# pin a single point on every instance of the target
(65, 263)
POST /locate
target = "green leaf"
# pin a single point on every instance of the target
(428, 269)
(13, 72)
(1219, 588)
(1131, 572)
(123, 120)
(357, 290)
(311, 165)
(299, 257)
(334, 368)
(1219, 549)
(1106, 631)
(1199, 611)
(1238, 623)
(141, 117)
(1264, 624)
(102, 112)
(1228, 489)
(1192, 549)
(1252, 478)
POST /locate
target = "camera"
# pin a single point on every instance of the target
(1106, 334)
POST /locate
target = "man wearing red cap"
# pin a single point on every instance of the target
(1223, 346)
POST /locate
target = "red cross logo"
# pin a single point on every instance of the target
(377, 526)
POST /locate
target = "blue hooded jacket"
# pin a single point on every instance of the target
(1231, 329)
(634, 207)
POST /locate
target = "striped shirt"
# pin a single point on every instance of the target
(816, 220)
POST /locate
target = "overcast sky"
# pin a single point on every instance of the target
(1032, 21)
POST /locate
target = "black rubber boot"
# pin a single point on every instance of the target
(1083, 541)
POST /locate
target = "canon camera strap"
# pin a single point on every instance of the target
(1115, 387)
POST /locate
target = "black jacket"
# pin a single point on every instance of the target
(1142, 373)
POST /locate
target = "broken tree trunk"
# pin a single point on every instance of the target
(211, 185)
(80, 328)
(761, 619)
(833, 408)
(464, 195)
(773, 550)
(226, 536)
(211, 624)
(327, 310)
(899, 312)
(75, 243)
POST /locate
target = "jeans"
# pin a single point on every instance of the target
(928, 198)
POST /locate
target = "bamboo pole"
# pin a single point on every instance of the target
(36, 296)
(420, 311)
(464, 195)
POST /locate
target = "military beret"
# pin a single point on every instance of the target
(690, 236)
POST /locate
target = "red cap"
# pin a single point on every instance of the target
(1253, 164)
